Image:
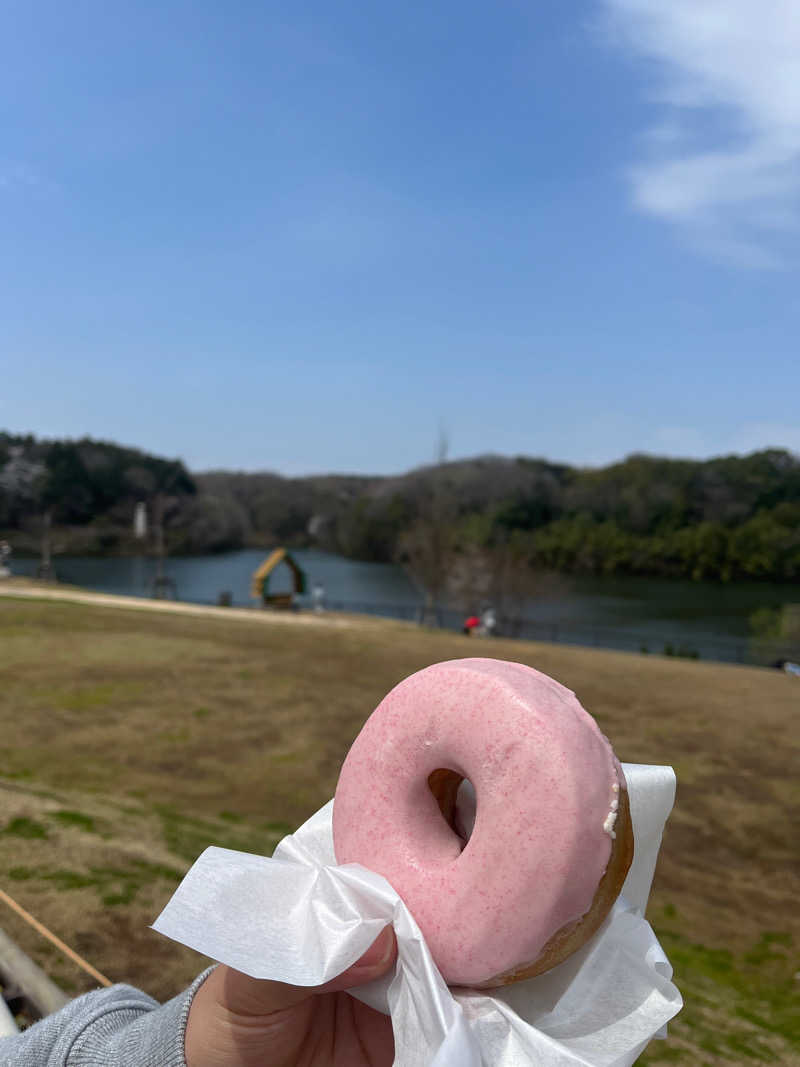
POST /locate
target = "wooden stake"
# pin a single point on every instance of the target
(81, 962)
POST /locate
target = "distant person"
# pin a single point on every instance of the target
(5, 552)
(488, 623)
(471, 623)
(318, 597)
(224, 1019)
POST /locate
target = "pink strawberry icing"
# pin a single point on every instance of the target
(546, 781)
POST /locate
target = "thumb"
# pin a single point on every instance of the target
(375, 962)
(256, 996)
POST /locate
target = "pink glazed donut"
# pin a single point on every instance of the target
(552, 840)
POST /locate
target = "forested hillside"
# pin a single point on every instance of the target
(86, 490)
(727, 518)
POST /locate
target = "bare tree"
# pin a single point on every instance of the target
(427, 548)
(501, 576)
(470, 579)
(515, 582)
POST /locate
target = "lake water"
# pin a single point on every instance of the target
(613, 612)
(202, 578)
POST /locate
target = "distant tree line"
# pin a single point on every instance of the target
(87, 490)
(733, 517)
(720, 519)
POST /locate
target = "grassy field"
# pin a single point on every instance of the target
(131, 740)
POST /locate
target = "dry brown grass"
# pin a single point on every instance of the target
(130, 740)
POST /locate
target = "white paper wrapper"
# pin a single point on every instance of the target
(301, 918)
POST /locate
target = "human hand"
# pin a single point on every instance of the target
(238, 1021)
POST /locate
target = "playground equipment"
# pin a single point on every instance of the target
(259, 587)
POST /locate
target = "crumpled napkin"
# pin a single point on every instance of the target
(301, 918)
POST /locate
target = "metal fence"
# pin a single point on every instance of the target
(668, 641)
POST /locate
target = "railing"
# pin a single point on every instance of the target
(662, 641)
(686, 644)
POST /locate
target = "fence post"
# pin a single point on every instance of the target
(19, 971)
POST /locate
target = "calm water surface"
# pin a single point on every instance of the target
(203, 578)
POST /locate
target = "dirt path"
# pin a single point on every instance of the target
(29, 589)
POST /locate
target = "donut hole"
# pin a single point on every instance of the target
(455, 796)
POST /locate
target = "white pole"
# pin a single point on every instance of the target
(7, 1024)
(140, 521)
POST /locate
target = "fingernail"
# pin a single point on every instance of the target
(379, 952)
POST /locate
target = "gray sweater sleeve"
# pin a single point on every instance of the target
(116, 1027)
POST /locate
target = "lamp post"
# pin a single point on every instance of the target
(163, 586)
(45, 569)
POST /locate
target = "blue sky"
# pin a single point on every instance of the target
(305, 237)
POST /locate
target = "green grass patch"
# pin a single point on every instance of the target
(669, 911)
(77, 819)
(765, 950)
(179, 736)
(187, 836)
(65, 880)
(114, 885)
(21, 874)
(738, 1008)
(87, 698)
(90, 697)
(280, 828)
(118, 886)
(22, 826)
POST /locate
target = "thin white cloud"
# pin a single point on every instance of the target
(722, 158)
(16, 175)
(757, 435)
(689, 441)
(676, 440)
(20, 178)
